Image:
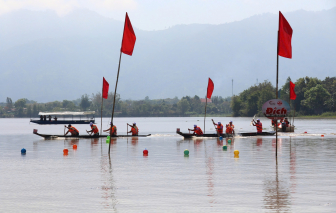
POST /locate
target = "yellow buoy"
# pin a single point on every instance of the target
(236, 154)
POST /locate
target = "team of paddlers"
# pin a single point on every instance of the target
(219, 128)
(95, 131)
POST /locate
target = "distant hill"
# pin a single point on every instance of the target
(44, 57)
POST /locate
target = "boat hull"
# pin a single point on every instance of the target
(188, 135)
(45, 136)
(53, 122)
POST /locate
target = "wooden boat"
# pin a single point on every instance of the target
(45, 136)
(65, 118)
(214, 135)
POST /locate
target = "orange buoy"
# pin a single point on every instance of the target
(65, 151)
(74, 146)
(322, 136)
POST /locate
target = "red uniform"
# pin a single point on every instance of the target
(198, 130)
(95, 129)
(135, 130)
(73, 130)
(259, 127)
(229, 129)
(220, 128)
(113, 130)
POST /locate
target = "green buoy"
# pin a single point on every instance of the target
(224, 147)
(186, 152)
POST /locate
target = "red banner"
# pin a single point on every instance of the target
(284, 37)
(105, 88)
(291, 91)
(210, 88)
(129, 38)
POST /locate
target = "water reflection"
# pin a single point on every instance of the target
(276, 193)
(209, 162)
(292, 167)
(108, 184)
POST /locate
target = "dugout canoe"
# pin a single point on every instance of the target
(45, 136)
(214, 135)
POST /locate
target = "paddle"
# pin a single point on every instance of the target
(252, 120)
(88, 132)
(215, 127)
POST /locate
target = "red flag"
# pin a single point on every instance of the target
(291, 91)
(105, 88)
(210, 88)
(284, 37)
(129, 38)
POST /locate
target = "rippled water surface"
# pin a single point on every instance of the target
(302, 179)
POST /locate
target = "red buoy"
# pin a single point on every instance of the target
(65, 151)
(322, 136)
(145, 152)
(74, 146)
(305, 132)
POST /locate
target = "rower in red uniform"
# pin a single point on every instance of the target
(94, 129)
(134, 129)
(73, 131)
(219, 127)
(197, 130)
(112, 130)
(232, 127)
(229, 129)
(287, 122)
(258, 124)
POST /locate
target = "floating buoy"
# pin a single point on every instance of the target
(224, 147)
(65, 151)
(220, 138)
(305, 132)
(108, 137)
(74, 146)
(229, 141)
(322, 136)
(186, 152)
(145, 152)
(236, 154)
(23, 151)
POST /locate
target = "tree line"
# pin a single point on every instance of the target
(169, 107)
(313, 97)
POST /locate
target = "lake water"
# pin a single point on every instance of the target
(302, 179)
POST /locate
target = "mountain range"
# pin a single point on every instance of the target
(44, 57)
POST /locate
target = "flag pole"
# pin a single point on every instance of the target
(115, 93)
(276, 95)
(206, 102)
(101, 110)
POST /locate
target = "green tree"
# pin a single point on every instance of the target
(316, 98)
(9, 103)
(236, 106)
(183, 106)
(19, 105)
(85, 102)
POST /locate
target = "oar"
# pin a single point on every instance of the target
(213, 122)
(252, 120)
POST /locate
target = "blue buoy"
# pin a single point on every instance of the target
(220, 138)
(23, 151)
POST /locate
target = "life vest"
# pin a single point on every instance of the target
(220, 128)
(73, 130)
(198, 131)
(95, 129)
(232, 126)
(135, 130)
(229, 129)
(287, 123)
(259, 127)
(113, 130)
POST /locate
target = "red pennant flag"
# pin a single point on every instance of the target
(210, 88)
(291, 91)
(129, 38)
(284, 37)
(105, 88)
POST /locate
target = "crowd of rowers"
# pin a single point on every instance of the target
(95, 131)
(229, 128)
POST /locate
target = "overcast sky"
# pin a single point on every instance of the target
(158, 14)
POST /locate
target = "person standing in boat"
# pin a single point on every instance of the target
(134, 129)
(73, 131)
(197, 130)
(94, 129)
(219, 127)
(258, 124)
(112, 130)
(286, 122)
